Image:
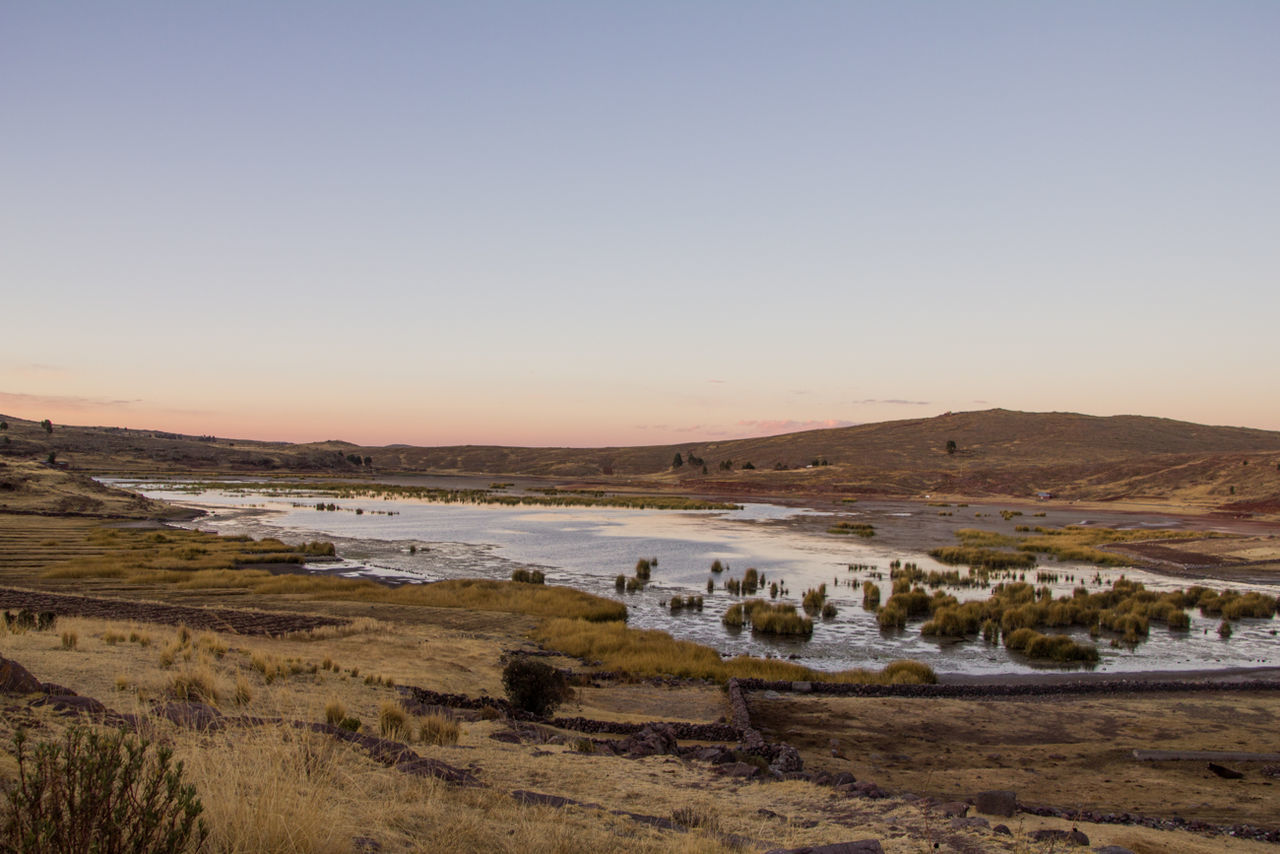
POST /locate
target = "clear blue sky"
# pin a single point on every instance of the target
(607, 223)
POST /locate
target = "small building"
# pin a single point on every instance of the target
(1044, 496)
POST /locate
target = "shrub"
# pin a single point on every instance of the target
(908, 672)
(533, 686)
(644, 569)
(528, 576)
(103, 793)
(438, 730)
(350, 724)
(391, 719)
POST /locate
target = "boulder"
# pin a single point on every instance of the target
(193, 715)
(955, 809)
(864, 846)
(16, 679)
(744, 770)
(1224, 772)
(786, 761)
(997, 802)
(72, 704)
(655, 739)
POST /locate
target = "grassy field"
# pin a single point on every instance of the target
(270, 786)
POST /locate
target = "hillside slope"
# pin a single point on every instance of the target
(996, 452)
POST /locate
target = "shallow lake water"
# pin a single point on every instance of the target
(587, 548)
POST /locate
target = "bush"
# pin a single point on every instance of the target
(102, 793)
(438, 729)
(535, 687)
(528, 576)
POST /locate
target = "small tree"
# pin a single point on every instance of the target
(106, 793)
(47, 425)
(951, 446)
(52, 458)
(534, 687)
(4, 425)
(678, 461)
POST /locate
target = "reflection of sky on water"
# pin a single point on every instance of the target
(588, 547)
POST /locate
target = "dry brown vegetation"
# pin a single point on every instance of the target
(998, 453)
(278, 788)
(1071, 751)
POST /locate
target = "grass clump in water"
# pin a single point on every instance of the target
(768, 618)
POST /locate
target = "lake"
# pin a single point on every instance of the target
(414, 541)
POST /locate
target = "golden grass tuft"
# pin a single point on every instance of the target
(243, 693)
(438, 729)
(70, 640)
(196, 683)
(392, 720)
(334, 712)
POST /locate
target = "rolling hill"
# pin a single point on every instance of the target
(996, 453)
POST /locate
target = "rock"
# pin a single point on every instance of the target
(786, 761)
(864, 846)
(868, 790)
(997, 802)
(843, 778)
(73, 704)
(16, 679)
(1112, 849)
(802, 687)
(955, 809)
(55, 688)
(975, 821)
(1002, 829)
(1224, 772)
(1053, 834)
(193, 715)
(739, 769)
(1049, 834)
(714, 755)
(539, 799)
(509, 736)
(434, 768)
(655, 739)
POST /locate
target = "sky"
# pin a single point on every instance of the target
(582, 223)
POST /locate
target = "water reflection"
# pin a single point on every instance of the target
(588, 547)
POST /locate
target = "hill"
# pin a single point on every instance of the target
(996, 453)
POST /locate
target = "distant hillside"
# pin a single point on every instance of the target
(996, 452)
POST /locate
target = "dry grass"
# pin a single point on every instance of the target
(438, 729)
(648, 652)
(393, 723)
(281, 789)
(197, 561)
